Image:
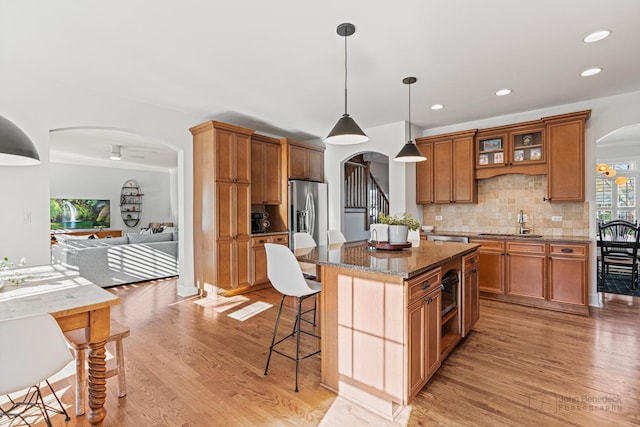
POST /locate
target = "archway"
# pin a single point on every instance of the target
(364, 192)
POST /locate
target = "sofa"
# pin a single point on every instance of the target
(120, 260)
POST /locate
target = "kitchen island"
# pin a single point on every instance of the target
(382, 325)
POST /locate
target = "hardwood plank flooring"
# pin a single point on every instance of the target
(189, 365)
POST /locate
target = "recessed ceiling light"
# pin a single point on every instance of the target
(597, 36)
(503, 92)
(437, 107)
(590, 72)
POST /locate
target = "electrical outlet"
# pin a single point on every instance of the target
(556, 218)
(525, 218)
(26, 217)
(438, 217)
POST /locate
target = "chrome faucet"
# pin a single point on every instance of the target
(522, 221)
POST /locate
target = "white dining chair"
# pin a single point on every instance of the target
(335, 236)
(286, 277)
(33, 350)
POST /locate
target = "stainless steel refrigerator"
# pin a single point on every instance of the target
(308, 210)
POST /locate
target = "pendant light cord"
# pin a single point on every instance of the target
(345, 75)
(410, 139)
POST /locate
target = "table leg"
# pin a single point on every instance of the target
(98, 332)
(97, 382)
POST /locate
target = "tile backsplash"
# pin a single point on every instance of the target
(499, 201)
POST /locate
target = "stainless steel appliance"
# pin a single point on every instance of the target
(442, 238)
(449, 291)
(308, 210)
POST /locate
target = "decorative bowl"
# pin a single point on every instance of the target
(427, 228)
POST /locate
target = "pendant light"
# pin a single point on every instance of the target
(410, 152)
(346, 131)
(16, 149)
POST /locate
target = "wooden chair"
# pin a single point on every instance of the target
(618, 242)
(78, 342)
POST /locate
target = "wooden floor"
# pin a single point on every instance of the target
(188, 365)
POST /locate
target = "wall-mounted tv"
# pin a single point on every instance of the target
(79, 213)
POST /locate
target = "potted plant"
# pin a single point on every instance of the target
(399, 226)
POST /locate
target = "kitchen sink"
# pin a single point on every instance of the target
(510, 235)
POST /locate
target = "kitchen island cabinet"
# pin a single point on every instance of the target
(380, 318)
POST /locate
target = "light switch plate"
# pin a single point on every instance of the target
(438, 217)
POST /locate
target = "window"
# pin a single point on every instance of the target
(617, 201)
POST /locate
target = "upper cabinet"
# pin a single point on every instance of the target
(565, 169)
(303, 161)
(511, 149)
(552, 146)
(447, 176)
(266, 170)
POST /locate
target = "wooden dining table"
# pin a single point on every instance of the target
(75, 303)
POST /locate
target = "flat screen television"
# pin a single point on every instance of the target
(79, 213)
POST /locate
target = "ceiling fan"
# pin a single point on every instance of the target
(116, 153)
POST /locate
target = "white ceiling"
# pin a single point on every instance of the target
(278, 66)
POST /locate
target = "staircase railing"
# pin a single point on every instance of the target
(362, 191)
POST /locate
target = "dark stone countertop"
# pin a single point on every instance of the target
(269, 233)
(406, 263)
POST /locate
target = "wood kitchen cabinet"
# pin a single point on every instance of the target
(516, 148)
(259, 255)
(423, 321)
(451, 175)
(491, 257)
(266, 171)
(565, 133)
(526, 269)
(222, 206)
(304, 161)
(470, 291)
(545, 275)
(568, 274)
(424, 175)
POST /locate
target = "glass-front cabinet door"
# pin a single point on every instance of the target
(527, 147)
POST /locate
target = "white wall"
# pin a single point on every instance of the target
(90, 182)
(37, 107)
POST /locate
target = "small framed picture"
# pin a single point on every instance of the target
(492, 144)
(527, 139)
(536, 154)
(518, 155)
(483, 159)
(498, 157)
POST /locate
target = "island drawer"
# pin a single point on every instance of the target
(470, 262)
(420, 286)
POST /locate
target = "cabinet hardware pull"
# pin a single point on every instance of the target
(425, 285)
(475, 270)
(428, 300)
(567, 250)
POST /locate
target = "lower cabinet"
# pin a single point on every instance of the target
(544, 275)
(259, 255)
(424, 339)
(526, 268)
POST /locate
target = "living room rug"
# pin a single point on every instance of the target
(618, 284)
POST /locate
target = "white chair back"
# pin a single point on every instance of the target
(33, 349)
(284, 272)
(303, 240)
(379, 232)
(335, 236)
